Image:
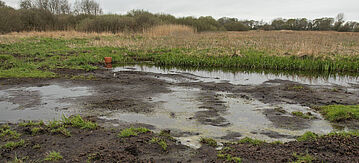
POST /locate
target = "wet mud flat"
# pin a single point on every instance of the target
(189, 104)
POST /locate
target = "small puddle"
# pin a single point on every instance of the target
(39, 103)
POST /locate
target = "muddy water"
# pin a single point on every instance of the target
(189, 110)
(191, 113)
(39, 103)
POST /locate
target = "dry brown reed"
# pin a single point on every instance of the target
(299, 43)
(169, 30)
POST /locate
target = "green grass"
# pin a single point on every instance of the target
(339, 113)
(61, 130)
(308, 115)
(54, 124)
(78, 122)
(53, 156)
(308, 136)
(12, 145)
(7, 133)
(248, 140)
(208, 141)
(38, 57)
(160, 142)
(36, 130)
(128, 132)
(31, 123)
(277, 142)
(229, 158)
(167, 135)
(19, 160)
(345, 134)
(303, 158)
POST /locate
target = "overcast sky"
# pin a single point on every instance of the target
(243, 9)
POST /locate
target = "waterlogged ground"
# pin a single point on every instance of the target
(191, 104)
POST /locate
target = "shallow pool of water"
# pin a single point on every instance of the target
(176, 111)
(244, 78)
(39, 103)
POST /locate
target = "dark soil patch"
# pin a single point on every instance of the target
(279, 91)
(98, 145)
(213, 105)
(281, 120)
(123, 104)
(327, 149)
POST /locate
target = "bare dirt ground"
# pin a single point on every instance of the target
(129, 91)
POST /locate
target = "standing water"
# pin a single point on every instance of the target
(191, 113)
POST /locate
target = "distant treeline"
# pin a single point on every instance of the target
(86, 15)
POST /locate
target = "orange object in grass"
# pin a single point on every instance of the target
(108, 60)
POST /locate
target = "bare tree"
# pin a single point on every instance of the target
(42, 4)
(26, 4)
(65, 7)
(2, 4)
(339, 21)
(89, 7)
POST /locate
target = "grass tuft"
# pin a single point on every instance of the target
(61, 130)
(308, 136)
(167, 135)
(248, 140)
(12, 145)
(36, 130)
(128, 132)
(53, 156)
(308, 115)
(229, 158)
(160, 142)
(7, 133)
(31, 123)
(208, 141)
(303, 158)
(78, 122)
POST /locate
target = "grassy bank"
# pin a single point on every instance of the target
(339, 113)
(41, 54)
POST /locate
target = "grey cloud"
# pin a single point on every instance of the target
(242, 9)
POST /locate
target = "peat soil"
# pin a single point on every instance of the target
(132, 91)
